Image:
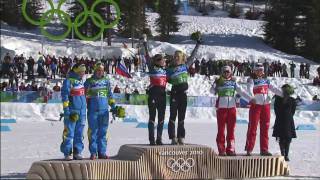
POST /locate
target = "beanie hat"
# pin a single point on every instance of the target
(287, 89)
(226, 68)
(79, 68)
(258, 66)
(98, 66)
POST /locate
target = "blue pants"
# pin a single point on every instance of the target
(97, 132)
(73, 133)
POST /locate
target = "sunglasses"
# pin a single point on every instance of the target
(226, 71)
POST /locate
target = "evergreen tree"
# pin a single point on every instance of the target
(293, 26)
(280, 25)
(167, 21)
(11, 12)
(310, 30)
(133, 21)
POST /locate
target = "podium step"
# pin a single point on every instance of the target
(162, 162)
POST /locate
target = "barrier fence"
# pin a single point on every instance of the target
(133, 99)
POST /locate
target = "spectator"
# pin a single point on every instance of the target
(6, 65)
(56, 88)
(192, 70)
(136, 92)
(116, 89)
(22, 87)
(34, 86)
(307, 70)
(292, 67)
(13, 76)
(53, 67)
(30, 65)
(302, 71)
(315, 98)
(56, 91)
(3, 86)
(28, 87)
(127, 93)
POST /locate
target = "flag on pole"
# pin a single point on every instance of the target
(122, 70)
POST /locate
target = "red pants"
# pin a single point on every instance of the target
(226, 116)
(258, 113)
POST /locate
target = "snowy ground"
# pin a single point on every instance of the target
(34, 140)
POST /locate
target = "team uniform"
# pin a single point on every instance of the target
(74, 100)
(156, 101)
(99, 96)
(178, 77)
(259, 112)
(226, 113)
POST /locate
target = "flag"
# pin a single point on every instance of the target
(122, 70)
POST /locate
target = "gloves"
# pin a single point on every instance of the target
(118, 111)
(66, 108)
(74, 117)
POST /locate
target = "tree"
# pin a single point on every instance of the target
(293, 26)
(167, 21)
(310, 30)
(280, 25)
(133, 21)
(11, 12)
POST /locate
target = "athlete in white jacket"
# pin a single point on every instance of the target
(259, 112)
(226, 88)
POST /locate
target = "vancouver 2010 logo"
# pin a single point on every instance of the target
(79, 20)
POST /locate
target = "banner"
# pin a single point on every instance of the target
(136, 99)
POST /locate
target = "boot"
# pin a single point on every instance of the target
(68, 157)
(265, 153)
(231, 153)
(159, 142)
(103, 156)
(282, 148)
(93, 157)
(151, 133)
(287, 147)
(174, 141)
(249, 153)
(152, 142)
(77, 157)
(181, 141)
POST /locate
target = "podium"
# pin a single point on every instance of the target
(162, 162)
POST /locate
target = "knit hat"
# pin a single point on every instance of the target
(288, 89)
(98, 65)
(226, 68)
(258, 66)
(79, 68)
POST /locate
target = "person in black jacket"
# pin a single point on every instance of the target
(284, 128)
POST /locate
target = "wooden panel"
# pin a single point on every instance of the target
(163, 162)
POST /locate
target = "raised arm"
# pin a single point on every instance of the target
(193, 54)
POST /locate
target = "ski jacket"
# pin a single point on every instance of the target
(226, 91)
(98, 93)
(73, 92)
(158, 77)
(178, 77)
(259, 90)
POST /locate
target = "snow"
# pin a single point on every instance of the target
(37, 133)
(36, 137)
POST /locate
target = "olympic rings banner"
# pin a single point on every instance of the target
(79, 20)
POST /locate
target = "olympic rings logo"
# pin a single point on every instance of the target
(79, 20)
(180, 164)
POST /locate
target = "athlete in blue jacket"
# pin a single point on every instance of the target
(74, 106)
(99, 96)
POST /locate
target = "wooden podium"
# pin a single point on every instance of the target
(162, 162)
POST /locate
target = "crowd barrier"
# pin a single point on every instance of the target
(134, 99)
